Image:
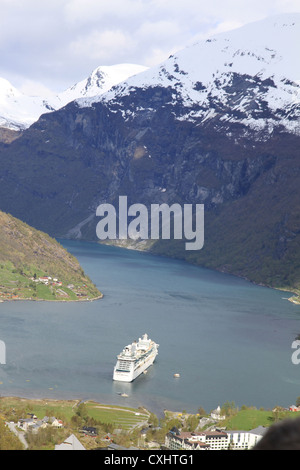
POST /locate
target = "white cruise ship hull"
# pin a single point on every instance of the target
(129, 370)
(124, 376)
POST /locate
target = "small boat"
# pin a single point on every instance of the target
(176, 375)
(124, 395)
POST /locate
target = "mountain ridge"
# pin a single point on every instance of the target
(18, 111)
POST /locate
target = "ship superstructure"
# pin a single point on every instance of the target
(135, 359)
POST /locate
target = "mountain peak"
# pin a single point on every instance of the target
(99, 81)
(18, 111)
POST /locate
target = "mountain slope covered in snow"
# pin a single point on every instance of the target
(250, 76)
(18, 111)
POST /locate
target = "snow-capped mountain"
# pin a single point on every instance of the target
(249, 76)
(100, 81)
(19, 111)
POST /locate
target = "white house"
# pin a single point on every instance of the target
(216, 414)
(56, 423)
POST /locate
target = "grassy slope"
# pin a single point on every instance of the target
(120, 417)
(27, 253)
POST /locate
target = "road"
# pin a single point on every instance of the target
(19, 434)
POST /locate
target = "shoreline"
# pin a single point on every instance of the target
(143, 248)
(294, 300)
(28, 299)
(75, 401)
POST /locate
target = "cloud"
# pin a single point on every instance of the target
(33, 88)
(81, 12)
(102, 46)
(60, 42)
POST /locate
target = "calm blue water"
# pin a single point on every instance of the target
(229, 340)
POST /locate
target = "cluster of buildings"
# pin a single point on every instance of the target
(47, 280)
(213, 439)
(33, 424)
(8, 296)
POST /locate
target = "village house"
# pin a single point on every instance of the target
(216, 414)
(89, 431)
(26, 423)
(56, 423)
(294, 408)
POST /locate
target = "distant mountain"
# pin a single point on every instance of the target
(18, 111)
(217, 123)
(35, 266)
(100, 81)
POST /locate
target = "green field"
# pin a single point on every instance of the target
(119, 417)
(18, 284)
(123, 418)
(251, 418)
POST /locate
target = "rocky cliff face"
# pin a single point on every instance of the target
(227, 138)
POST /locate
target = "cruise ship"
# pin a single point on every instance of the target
(135, 359)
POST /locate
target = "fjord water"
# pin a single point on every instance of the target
(228, 339)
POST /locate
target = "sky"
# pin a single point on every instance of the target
(53, 44)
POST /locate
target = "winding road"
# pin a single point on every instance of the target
(20, 434)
